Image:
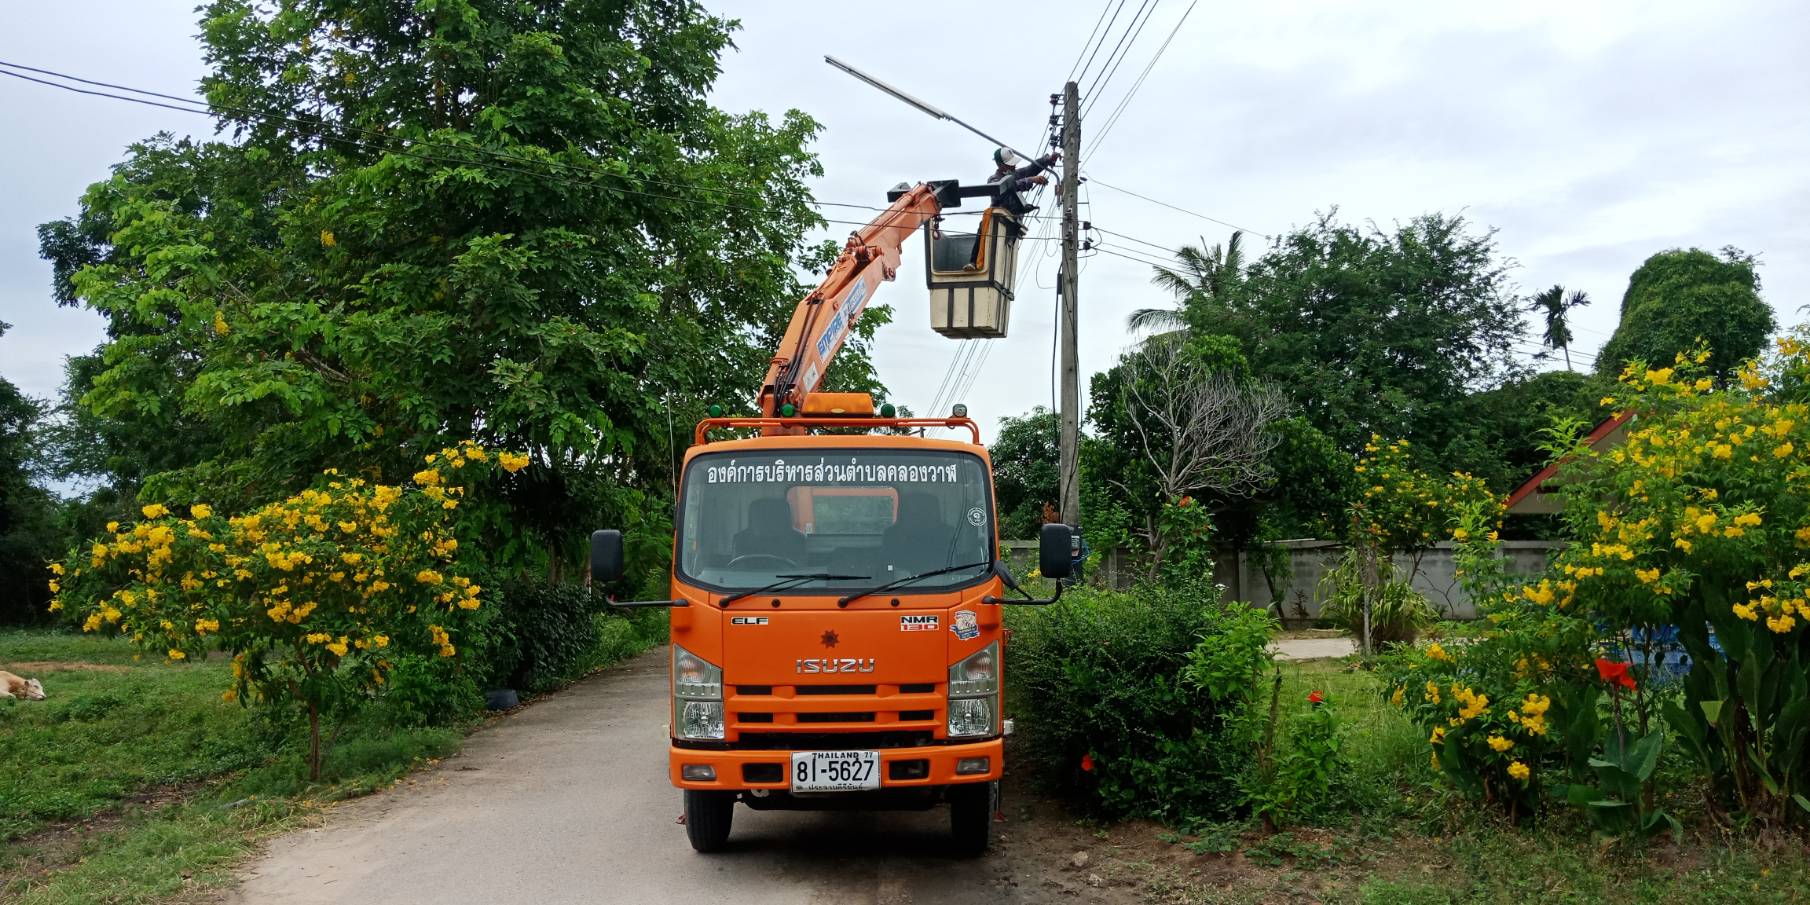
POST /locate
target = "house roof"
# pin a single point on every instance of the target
(1604, 434)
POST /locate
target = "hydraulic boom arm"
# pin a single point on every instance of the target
(824, 318)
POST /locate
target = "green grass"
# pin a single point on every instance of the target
(134, 782)
(102, 736)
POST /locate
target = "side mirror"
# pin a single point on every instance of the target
(1054, 551)
(606, 555)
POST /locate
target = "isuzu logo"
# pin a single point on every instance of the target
(818, 665)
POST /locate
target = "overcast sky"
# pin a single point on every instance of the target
(1591, 134)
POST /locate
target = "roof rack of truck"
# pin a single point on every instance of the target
(804, 424)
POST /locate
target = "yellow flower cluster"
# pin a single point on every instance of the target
(310, 580)
(1473, 705)
(1532, 715)
(1403, 508)
(442, 640)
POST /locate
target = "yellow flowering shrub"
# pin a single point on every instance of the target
(314, 597)
(1700, 519)
(1696, 525)
(1399, 507)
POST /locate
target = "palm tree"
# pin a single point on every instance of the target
(1204, 275)
(1556, 304)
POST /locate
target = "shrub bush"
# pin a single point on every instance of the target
(315, 596)
(542, 634)
(1301, 777)
(1397, 611)
(1138, 702)
(1696, 524)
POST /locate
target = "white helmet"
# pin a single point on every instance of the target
(1005, 157)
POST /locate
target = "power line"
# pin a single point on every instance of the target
(1131, 255)
(1090, 57)
(319, 130)
(1165, 249)
(1096, 180)
(1112, 119)
(1090, 38)
(1132, 31)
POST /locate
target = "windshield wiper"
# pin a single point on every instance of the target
(790, 581)
(905, 581)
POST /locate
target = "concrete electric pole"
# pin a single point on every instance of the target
(1070, 442)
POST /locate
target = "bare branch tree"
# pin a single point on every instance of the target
(1200, 429)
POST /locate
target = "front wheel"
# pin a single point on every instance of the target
(971, 808)
(707, 818)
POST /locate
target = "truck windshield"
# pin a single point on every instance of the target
(886, 514)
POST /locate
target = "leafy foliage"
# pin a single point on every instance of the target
(1303, 779)
(1373, 331)
(545, 631)
(1696, 525)
(1025, 471)
(472, 218)
(1137, 702)
(1678, 300)
(1397, 612)
(1554, 306)
(313, 596)
(27, 528)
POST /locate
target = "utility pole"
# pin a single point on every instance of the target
(1070, 442)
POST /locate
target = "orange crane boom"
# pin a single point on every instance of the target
(824, 318)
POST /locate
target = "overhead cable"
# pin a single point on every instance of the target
(320, 129)
(1112, 119)
(1107, 185)
(1133, 30)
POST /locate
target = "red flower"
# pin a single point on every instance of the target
(1087, 763)
(1316, 698)
(1613, 672)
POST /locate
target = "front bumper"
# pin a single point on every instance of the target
(939, 760)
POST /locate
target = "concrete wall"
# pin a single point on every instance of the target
(1434, 574)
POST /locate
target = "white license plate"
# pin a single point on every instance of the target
(835, 771)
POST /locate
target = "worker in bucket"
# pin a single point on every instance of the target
(1012, 178)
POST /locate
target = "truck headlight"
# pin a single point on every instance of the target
(976, 674)
(700, 719)
(970, 717)
(697, 696)
(973, 694)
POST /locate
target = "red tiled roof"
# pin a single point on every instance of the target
(1596, 435)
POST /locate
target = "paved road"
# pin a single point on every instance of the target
(568, 802)
(1313, 648)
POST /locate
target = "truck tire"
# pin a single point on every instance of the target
(971, 817)
(707, 818)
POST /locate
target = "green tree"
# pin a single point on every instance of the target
(1025, 471)
(1508, 419)
(1372, 331)
(28, 535)
(1206, 274)
(1554, 305)
(1679, 299)
(518, 223)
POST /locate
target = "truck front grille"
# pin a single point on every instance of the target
(802, 717)
(809, 741)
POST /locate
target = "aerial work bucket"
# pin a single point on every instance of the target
(970, 276)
